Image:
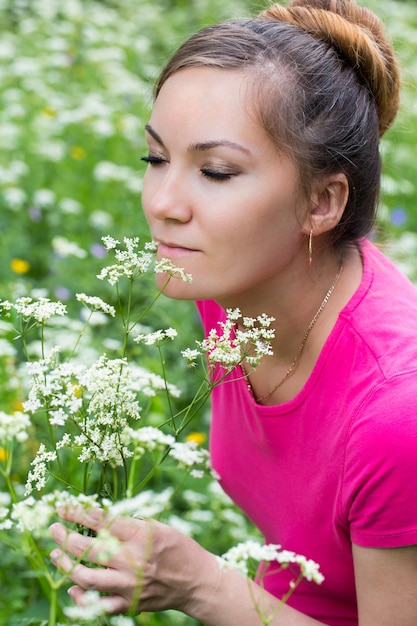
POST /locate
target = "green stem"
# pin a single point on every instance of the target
(53, 605)
(80, 335)
(149, 307)
(168, 395)
(151, 472)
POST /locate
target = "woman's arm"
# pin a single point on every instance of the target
(386, 585)
(156, 568)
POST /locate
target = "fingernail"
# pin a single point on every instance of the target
(55, 555)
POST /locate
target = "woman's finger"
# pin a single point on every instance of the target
(104, 551)
(96, 519)
(78, 545)
(111, 604)
(104, 580)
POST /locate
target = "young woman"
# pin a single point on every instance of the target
(262, 183)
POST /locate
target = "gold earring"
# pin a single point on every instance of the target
(310, 248)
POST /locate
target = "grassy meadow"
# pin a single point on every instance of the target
(76, 82)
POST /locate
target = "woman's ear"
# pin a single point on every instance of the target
(328, 202)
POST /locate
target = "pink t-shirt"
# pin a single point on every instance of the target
(338, 463)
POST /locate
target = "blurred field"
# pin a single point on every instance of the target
(76, 90)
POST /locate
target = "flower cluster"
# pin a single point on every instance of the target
(40, 310)
(152, 338)
(165, 266)
(92, 610)
(131, 261)
(13, 427)
(237, 339)
(96, 304)
(240, 556)
(100, 401)
(92, 420)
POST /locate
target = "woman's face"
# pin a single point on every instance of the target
(219, 198)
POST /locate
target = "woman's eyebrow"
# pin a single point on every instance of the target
(154, 134)
(201, 146)
(216, 143)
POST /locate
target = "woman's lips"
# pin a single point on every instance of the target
(173, 250)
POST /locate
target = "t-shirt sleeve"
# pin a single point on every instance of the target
(379, 492)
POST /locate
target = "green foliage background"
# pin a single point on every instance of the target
(76, 90)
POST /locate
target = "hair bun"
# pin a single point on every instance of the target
(358, 35)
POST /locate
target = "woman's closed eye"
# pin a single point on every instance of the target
(153, 160)
(212, 173)
(217, 174)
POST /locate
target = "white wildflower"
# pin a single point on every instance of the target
(53, 386)
(240, 556)
(110, 243)
(99, 445)
(5, 502)
(170, 333)
(38, 475)
(14, 197)
(96, 303)
(5, 498)
(121, 620)
(189, 455)
(101, 219)
(65, 248)
(6, 525)
(235, 315)
(33, 515)
(228, 344)
(69, 206)
(309, 569)
(62, 499)
(191, 355)
(65, 441)
(91, 608)
(146, 439)
(131, 261)
(40, 310)
(150, 339)
(14, 426)
(106, 545)
(147, 504)
(165, 266)
(44, 197)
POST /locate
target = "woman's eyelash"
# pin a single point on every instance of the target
(212, 174)
(153, 160)
(216, 174)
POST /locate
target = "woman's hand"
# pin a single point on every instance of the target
(153, 567)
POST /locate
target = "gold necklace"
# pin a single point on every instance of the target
(306, 335)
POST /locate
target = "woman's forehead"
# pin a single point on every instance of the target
(209, 99)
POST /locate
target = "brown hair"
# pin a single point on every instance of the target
(327, 88)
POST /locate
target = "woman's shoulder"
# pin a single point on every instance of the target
(384, 280)
(381, 317)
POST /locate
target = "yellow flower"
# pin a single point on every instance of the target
(77, 153)
(78, 392)
(19, 266)
(49, 112)
(197, 437)
(3, 455)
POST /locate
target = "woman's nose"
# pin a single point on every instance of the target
(166, 197)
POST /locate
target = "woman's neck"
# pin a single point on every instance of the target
(305, 316)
